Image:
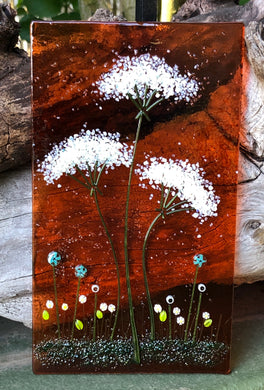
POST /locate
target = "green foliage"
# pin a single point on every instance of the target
(243, 2)
(29, 10)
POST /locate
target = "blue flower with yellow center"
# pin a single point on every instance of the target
(199, 260)
(80, 271)
(54, 258)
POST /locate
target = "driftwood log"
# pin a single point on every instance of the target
(15, 186)
(15, 113)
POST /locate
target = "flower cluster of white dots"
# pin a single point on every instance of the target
(91, 148)
(149, 70)
(183, 179)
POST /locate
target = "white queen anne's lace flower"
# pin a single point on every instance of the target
(185, 180)
(89, 147)
(149, 70)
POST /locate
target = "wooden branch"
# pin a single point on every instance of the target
(194, 11)
(15, 113)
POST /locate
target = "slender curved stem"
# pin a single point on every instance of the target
(79, 181)
(197, 316)
(94, 180)
(191, 304)
(56, 300)
(129, 293)
(151, 311)
(115, 260)
(94, 318)
(75, 307)
(170, 328)
(218, 327)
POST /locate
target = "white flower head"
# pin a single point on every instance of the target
(95, 288)
(206, 315)
(176, 311)
(157, 308)
(149, 70)
(82, 298)
(184, 179)
(103, 306)
(111, 308)
(91, 148)
(64, 306)
(169, 299)
(49, 304)
(180, 320)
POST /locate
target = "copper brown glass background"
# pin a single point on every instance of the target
(67, 59)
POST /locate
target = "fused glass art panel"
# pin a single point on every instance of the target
(135, 173)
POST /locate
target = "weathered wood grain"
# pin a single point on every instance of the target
(15, 112)
(15, 245)
(206, 11)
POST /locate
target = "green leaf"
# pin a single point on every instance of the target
(43, 8)
(21, 11)
(45, 315)
(20, 3)
(75, 4)
(79, 324)
(243, 2)
(99, 314)
(163, 316)
(25, 26)
(70, 16)
(208, 323)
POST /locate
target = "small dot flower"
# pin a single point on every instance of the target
(103, 306)
(95, 288)
(170, 299)
(54, 258)
(111, 308)
(180, 321)
(64, 306)
(80, 271)
(82, 298)
(199, 260)
(206, 315)
(202, 287)
(49, 304)
(157, 308)
(176, 311)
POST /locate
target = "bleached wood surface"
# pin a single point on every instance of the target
(15, 199)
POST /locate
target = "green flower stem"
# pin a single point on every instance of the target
(177, 211)
(92, 186)
(56, 300)
(191, 304)
(84, 177)
(218, 327)
(79, 181)
(129, 293)
(75, 307)
(151, 311)
(115, 260)
(94, 318)
(163, 208)
(197, 316)
(170, 329)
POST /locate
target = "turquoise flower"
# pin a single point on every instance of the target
(54, 258)
(80, 271)
(199, 260)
